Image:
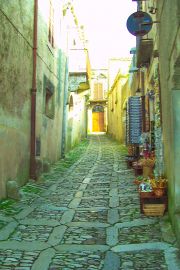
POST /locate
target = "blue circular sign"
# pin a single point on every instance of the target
(139, 23)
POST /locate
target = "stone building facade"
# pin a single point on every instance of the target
(118, 92)
(97, 104)
(34, 87)
(77, 82)
(168, 14)
(158, 65)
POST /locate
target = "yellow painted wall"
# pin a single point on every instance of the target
(117, 96)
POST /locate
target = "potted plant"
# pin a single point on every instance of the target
(138, 180)
(159, 186)
(148, 165)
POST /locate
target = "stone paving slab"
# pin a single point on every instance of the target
(85, 235)
(39, 222)
(100, 192)
(8, 230)
(5, 219)
(87, 217)
(67, 216)
(23, 245)
(113, 216)
(90, 215)
(16, 259)
(25, 212)
(57, 235)
(112, 261)
(112, 236)
(43, 261)
(90, 202)
(88, 224)
(75, 248)
(154, 260)
(31, 233)
(78, 260)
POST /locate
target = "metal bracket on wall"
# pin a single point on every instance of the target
(149, 23)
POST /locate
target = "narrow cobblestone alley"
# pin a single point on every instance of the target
(86, 215)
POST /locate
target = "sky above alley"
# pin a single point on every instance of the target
(105, 28)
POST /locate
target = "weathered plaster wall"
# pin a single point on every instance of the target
(16, 30)
(16, 35)
(117, 99)
(51, 64)
(77, 121)
(169, 46)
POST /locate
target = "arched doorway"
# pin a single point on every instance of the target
(98, 118)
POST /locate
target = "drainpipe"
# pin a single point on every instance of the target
(64, 122)
(33, 97)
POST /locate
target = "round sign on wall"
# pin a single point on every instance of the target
(139, 23)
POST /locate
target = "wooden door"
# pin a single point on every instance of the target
(98, 121)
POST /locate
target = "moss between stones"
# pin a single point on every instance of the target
(7, 206)
(31, 189)
(10, 207)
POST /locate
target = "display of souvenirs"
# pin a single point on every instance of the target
(134, 119)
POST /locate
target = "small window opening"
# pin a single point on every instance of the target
(49, 103)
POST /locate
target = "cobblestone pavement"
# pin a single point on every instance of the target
(86, 215)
